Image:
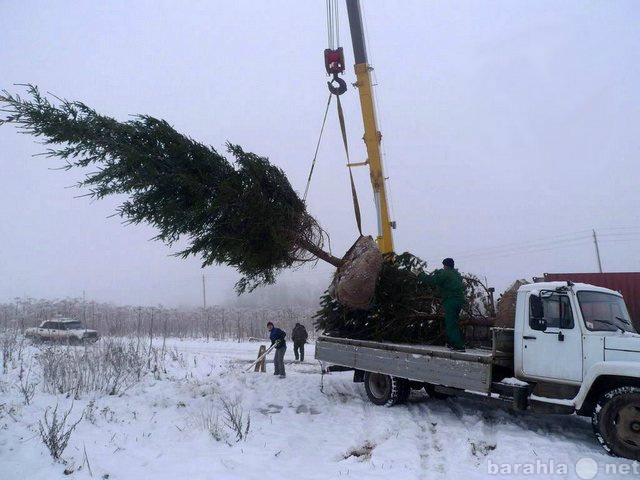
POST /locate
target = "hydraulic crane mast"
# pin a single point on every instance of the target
(372, 137)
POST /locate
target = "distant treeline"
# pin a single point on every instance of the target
(214, 322)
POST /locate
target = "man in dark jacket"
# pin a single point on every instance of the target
(299, 336)
(277, 338)
(451, 288)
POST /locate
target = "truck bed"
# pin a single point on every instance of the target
(470, 370)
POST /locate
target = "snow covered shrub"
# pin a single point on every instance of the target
(56, 435)
(8, 410)
(210, 422)
(110, 367)
(234, 420)
(90, 412)
(177, 357)
(234, 423)
(26, 387)
(362, 453)
(108, 414)
(9, 345)
(155, 363)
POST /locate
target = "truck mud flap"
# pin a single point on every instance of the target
(337, 368)
(538, 406)
(518, 394)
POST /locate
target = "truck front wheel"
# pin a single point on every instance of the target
(616, 422)
(386, 390)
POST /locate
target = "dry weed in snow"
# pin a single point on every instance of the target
(55, 434)
(111, 367)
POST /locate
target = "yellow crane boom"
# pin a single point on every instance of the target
(372, 136)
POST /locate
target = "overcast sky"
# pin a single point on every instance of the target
(511, 130)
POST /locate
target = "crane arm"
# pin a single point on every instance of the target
(372, 136)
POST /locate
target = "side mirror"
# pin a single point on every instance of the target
(539, 324)
(536, 310)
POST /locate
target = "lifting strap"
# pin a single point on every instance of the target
(354, 195)
(334, 64)
(313, 163)
(343, 131)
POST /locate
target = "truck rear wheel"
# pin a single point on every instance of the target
(616, 422)
(386, 390)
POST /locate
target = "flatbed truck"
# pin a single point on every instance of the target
(572, 350)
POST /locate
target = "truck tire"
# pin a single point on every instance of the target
(616, 422)
(386, 390)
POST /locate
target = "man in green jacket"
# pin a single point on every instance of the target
(451, 288)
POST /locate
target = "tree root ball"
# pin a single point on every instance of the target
(354, 283)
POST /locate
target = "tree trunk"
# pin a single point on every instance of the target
(321, 254)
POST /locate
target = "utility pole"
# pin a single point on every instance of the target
(204, 294)
(595, 240)
(204, 310)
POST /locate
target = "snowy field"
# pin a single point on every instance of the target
(173, 424)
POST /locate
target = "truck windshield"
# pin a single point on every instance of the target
(604, 312)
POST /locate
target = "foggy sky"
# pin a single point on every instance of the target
(510, 131)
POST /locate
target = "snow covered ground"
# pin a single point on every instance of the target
(306, 426)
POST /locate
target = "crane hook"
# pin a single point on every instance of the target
(334, 63)
(340, 87)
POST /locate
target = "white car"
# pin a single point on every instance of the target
(63, 330)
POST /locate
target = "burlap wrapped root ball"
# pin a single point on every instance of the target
(354, 283)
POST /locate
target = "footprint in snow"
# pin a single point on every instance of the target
(305, 409)
(270, 409)
(362, 453)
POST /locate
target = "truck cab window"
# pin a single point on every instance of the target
(556, 310)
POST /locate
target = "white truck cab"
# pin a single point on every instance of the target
(569, 331)
(576, 344)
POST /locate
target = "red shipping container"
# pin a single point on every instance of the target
(627, 283)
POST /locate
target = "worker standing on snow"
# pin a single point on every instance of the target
(451, 288)
(277, 338)
(299, 336)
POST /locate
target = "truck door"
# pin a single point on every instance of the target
(553, 353)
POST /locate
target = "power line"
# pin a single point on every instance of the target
(525, 248)
(628, 234)
(584, 241)
(581, 237)
(544, 241)
(620, 240)
(531, 243)
(619, 228)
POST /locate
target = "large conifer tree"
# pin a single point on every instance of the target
(243, 213)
